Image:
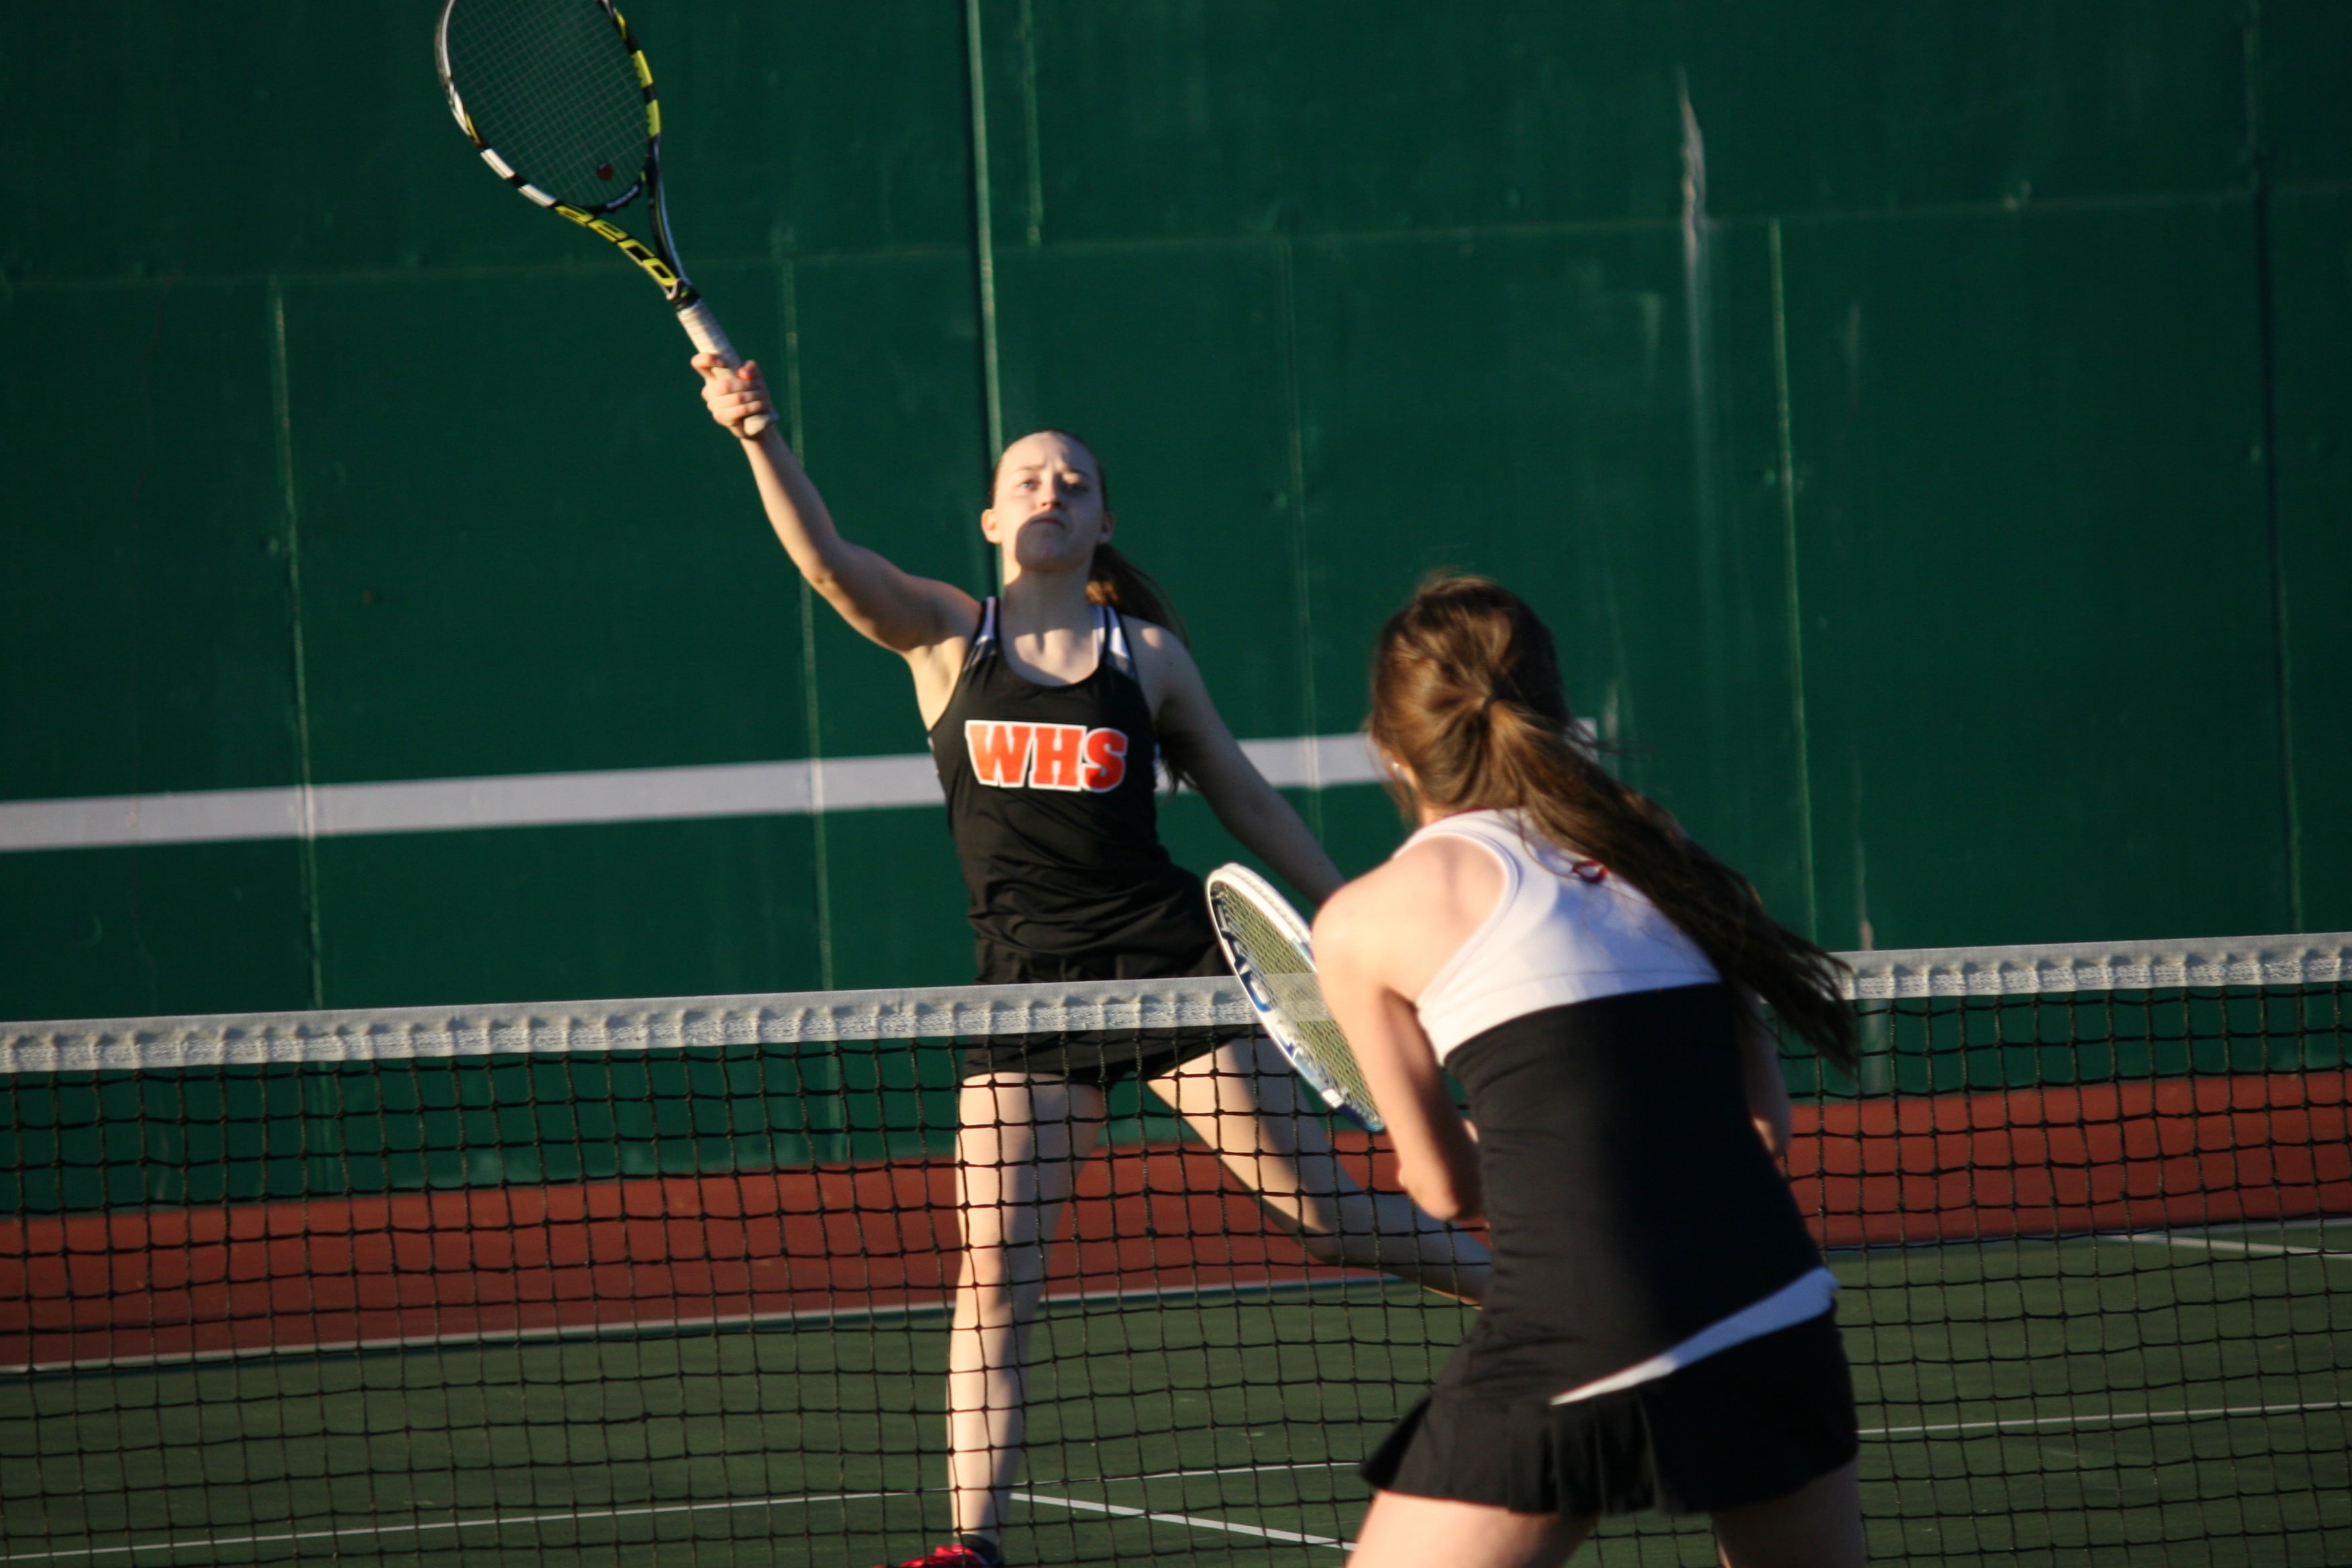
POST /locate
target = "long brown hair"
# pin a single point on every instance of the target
(1112, 579)
(1466, 692)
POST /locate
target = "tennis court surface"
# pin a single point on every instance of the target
(662, 1283)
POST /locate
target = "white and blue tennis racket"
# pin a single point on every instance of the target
(1266, 943)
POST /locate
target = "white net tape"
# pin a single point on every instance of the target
(970, 1012)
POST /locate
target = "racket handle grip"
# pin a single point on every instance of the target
(702, 325)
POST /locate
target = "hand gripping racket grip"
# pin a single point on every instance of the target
(704, 329)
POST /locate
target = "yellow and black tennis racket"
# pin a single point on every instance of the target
(1266, 942)
(558, 98)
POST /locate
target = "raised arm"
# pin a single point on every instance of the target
(1198, 742)
(903, 612)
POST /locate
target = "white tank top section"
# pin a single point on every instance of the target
(1564, 931)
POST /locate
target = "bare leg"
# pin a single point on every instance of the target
(1243, 1101)
(1404, 1532)
(1819, 1525)
(1017, 1152)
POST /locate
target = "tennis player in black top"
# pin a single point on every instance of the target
(1659, 1331)
(1049, 708)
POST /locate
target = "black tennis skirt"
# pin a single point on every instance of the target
(1095, 1056)
(1743, 1425)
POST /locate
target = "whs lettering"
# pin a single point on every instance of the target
(1045, 756)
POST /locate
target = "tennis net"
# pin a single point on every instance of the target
(664, 1283)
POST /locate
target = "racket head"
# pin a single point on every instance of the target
(556, 95)
(1267, 944)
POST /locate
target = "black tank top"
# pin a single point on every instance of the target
(1050, 800)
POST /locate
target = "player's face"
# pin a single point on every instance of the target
(1048, 512)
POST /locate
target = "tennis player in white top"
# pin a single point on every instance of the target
(1660, 1331)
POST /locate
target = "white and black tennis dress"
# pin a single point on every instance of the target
(1659, 1333)
(1051, 801)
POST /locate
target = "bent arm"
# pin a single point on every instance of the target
(1437, 1153)
(896, 608)
(1250, 808)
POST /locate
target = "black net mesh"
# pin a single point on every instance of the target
(625, 1283)
(548, 84)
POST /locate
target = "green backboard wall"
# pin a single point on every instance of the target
(1929, 430)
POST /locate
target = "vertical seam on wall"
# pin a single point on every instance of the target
(2266, 335)
(1311, 723)
(984, 233)
(788, 281)
(1785, 424)
(1029, 123)
(1698, 317)
(282, 394)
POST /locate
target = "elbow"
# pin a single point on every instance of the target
(1440, 1195)
(1244, 803)
(827, 585)
(1439, 1203)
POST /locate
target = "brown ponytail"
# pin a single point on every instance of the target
(1466, 692)
(1116, 581)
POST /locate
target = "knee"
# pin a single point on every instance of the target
(1001, 1275)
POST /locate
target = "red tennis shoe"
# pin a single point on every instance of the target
(954, 1556)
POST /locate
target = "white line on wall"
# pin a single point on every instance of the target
(543, 800)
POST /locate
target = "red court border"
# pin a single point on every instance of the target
(494, 1262)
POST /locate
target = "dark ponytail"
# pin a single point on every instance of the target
(1466, 692)
(1116, 581)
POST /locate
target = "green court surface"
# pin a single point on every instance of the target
(2180, 1398)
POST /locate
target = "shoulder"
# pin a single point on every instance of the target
(1164, 666)
(1433, 884)
(1446, 870)
(957, 614)
(1155, 644)
(1351, 920)
(935, 613)
(955, 623)
(938, 662)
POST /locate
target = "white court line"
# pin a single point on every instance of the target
(2065, 1238)
(2305, 1222)
(1233, 1470)
(2017, 1424)
(501, 1521)
(2267, 1249)
(681, 1328)
(493, 1521)
(1194, 1520)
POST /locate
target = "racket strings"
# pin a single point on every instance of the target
(1288, 977)
(550, 86)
